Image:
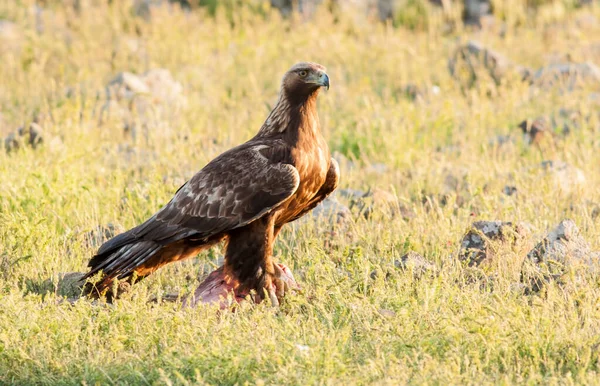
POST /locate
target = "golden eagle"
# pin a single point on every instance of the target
(242, 197)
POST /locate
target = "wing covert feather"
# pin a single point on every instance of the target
(233, 190)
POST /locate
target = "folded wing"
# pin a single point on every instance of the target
(233, 190)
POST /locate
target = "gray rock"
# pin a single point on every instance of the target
(472, 59)
(414, 262)
(331, 210)
(561, 253)
(137, 100)
(368, 203)
(32, 136)
(536, 130)
(386, 313)
(510, 190)
(127, 85)
(563, 246)
(485, 239)
(143, 8)
(567, 77)
(566, 178)
(70, 285)
(306, 8)
(157, 84)
(475, 10)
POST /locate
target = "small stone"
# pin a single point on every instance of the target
(485, 238)
(367, 203)
(413, 261)
(563, 245)
(374, 274)
(567, 76)
(386, 313)
(331, 210)
(472, 59)
(70, 284)
(144, 8)
(413, 92)
(566, 178)
(561, 252)
(162, 85)
(32, 136)
(138, 101)
(475, 10)
(127, 85)
(510, 190)
(536, 130)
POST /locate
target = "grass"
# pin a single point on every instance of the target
(442, 329)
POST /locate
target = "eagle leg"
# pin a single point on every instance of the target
(249, 268)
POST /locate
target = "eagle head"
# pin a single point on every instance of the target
(304, 79)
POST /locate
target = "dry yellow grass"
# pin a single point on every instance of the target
(346, 327)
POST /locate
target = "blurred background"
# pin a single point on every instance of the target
(468, 137)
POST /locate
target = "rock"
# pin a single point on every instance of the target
(368, 203)
(70, 284)
(143, 8)
(475, 10)
(331, 210)
(157, 84)
(472, 59)
(417, 93)
(414, 262)
(564, 246)
(32, 136)
(566, 178)
(569, 120)
(162, 86)
(127, 85)
(561, 252)
(386, 313)
(413, 92)
(510, 190)
(536, 131)
(94, 238)
(486, 239)
(306, 8)
(567, 77)
(138, 100)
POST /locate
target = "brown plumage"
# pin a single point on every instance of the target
(242, 197)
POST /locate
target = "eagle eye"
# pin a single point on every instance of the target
(303, 73)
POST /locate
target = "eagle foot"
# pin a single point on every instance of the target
(219, 287)
(281, 282)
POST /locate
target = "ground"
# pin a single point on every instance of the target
(449, 152)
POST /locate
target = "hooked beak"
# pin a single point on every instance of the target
(324, 80)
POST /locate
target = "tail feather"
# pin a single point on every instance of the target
(120, 256)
